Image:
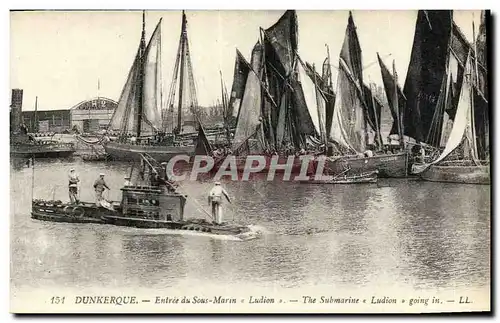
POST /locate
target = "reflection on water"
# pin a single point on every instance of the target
(405, 233)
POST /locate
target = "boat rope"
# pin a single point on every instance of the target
(198, 205)
(88, 142)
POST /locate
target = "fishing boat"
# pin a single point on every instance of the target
(426, 72)
(29, 148)
(463, 172)
(144, 125)
(437, 62)
(356, 110)
(261, 88)
(153, 204)
(460, 161)
(274, 116)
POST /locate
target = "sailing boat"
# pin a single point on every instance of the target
(453, 69)
(355, 110)
(426, 71)
(273, 120)
(143, 125)
(459, 162)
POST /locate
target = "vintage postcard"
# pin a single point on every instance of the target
(272, 161)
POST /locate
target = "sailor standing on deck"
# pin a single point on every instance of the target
(215, 199)
(99, 186)
(73, 186)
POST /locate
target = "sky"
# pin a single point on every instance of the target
(59, 56)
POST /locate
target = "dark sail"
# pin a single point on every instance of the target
(390, 91)
(351, 51)
(276, 80)
(459, 49)
(302, 119)
(241, 69)
(481, 107)
(444, 100)
(287, 118)
(282, 36)
(373, 107)
(330, 105)
(203, 146)
(330, 93)
(482, 51)
(426, 70)
(481, 125)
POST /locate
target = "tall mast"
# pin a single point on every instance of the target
(181, 77)
(473, 85)
(378, 138)
(396, 105)
(330, 80)
(141, 74)
(35, 125)
(225, 108)
(319, 107)
(223, 96)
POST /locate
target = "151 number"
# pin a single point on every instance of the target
(57, 300)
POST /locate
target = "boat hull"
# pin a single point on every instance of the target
(457, 174)
(242, 165)
(56, 211)
(362, 178)
(388, 165)
(42, 153)
(129, 152)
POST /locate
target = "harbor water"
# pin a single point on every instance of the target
(403, 233)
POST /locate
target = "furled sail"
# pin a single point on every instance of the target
(241, 70)
(426, 70)
(250, 111)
